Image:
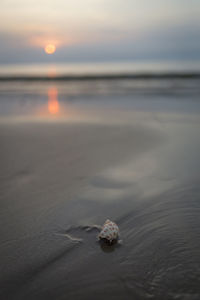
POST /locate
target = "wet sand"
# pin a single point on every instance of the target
(59, 179)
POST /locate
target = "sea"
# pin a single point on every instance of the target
(83, 143)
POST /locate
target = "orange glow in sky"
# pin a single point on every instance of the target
(53, 104)
(50, 48)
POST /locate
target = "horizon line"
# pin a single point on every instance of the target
(104, 76)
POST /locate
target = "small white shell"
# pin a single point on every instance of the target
(109, 231)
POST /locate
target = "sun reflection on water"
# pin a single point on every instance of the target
(53, 104)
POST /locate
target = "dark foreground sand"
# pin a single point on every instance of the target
(60, 179)
(49, 173)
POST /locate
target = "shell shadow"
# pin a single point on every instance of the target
(108, 247)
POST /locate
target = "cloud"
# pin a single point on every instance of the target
(171, 43)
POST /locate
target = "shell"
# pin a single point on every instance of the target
(110, 231)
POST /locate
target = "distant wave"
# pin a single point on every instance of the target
(119, 76)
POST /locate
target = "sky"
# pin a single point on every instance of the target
(99, 30)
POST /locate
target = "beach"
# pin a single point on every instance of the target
(75, 153)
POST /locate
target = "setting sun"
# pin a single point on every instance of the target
(50, 48)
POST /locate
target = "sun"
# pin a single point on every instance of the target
(50, 48)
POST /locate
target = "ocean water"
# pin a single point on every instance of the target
(128, 67)
(76, 151)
